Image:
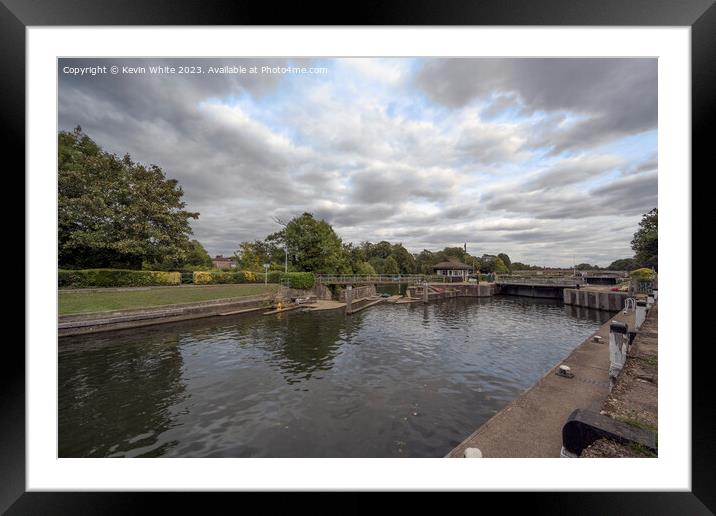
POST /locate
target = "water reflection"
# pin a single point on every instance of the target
(394, 380)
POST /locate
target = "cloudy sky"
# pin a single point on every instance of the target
(549, 160)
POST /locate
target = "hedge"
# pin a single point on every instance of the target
(89, 278)
(301, 280)
(221, 277)
(274, 276)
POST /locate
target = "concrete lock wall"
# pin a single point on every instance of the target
(541, 291)
(611, 301)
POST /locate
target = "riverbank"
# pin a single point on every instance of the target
(634, 398)
(106, 300)
(83, 323)
(531, 425)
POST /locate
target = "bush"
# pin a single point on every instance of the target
(89, 278)
(187, 277)
(274, 276)
(222, 277)
(643, 274)
(300, 280)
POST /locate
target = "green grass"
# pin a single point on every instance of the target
(73, 302)
(642, 450)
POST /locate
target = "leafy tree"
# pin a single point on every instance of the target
(646, 241)
(251, 256)
(113, 212)
(585, 267)
(500, 267)
(505, 260)
(488, 263)
(424, 261)
(390, 266)
(313, 246)
(197, 255)
(378, 264)
(623, 264)
(382, 249)
(405, 260)
(365, 268)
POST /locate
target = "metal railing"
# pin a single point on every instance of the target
(536, 280)
(379, 278)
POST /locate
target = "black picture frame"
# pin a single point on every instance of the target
(700, 15)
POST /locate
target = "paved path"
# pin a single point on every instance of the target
(531, 425)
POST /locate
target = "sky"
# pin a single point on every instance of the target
(552, 161)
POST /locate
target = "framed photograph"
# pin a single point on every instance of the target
(283, 251)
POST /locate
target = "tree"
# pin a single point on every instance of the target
(585, 267)
(500, 267)
(623, 264)
(488, 263)
(390, 266)
(377, 264)
(113, 212)
(251, 256)
(197, 255)
(424, 261)
(405, 260)
(505, 260)
(365, 268)
(646, 241)
(313, 246)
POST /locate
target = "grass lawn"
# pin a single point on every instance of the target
(77, 301)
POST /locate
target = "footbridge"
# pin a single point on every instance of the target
(552, 287)
(378, 279)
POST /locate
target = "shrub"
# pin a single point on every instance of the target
(222, 277)
(643, 274)
(300, 280)
(274, 276)
(187, 277)
(88, 278)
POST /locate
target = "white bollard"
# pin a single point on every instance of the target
(349, 299)
(640, 313)
(473, 453)
(649, 300)
(656, 294)
(618, 344)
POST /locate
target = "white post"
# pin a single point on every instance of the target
(649, 300)
(640, 313)
(425, 292)
(618, 342)
(349, 299)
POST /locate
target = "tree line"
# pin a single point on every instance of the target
(311, 245)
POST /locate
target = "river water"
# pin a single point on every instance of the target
(391, 381)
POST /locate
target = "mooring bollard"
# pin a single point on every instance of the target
(656, 294)
(618, 344)
(349, 299)
(649, 300)
(425, 292)
(640, 313)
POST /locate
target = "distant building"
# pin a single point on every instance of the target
(223, 262)
(456, 270)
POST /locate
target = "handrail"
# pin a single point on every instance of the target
(540, 281)
(377, 278)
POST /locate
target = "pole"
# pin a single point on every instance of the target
(285, 247)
